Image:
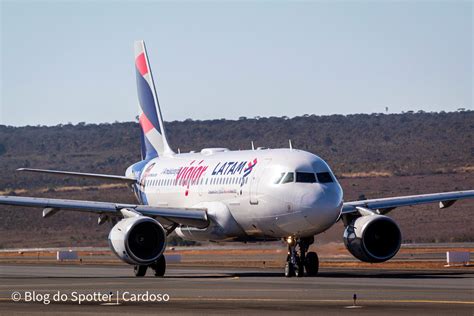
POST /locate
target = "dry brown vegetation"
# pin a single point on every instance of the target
(375, 155)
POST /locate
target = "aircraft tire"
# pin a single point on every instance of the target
(289, 270)
(159, 266)
(139, 270)
(312, 264)
(299, 271)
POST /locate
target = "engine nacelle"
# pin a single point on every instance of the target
(373, 238)
(138, 240)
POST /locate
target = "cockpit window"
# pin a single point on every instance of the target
(324, 177)
(278, 178)
(305, 177)
(290, 177)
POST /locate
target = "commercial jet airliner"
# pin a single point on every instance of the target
(231, 196)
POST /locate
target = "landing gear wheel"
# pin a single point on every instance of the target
(139, 271)
(289, 270)
(299, 259)
(311, 264)
(299, 271)
(159, 266)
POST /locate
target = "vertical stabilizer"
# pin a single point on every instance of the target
(154, 142)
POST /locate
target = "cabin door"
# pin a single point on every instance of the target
(255, 176)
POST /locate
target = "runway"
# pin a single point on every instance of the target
(236, 291)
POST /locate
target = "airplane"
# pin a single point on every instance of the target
(223, 195)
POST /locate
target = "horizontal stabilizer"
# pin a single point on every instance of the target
(82, 175)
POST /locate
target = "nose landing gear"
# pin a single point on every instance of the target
(297, 263)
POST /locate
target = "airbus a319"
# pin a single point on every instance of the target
(231, 196)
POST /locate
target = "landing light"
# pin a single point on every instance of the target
(290, 240)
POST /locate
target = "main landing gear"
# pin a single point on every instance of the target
(299, 261)
(158, 266)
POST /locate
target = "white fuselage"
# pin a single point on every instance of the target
(268, 193)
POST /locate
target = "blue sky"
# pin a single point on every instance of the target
(72, 61)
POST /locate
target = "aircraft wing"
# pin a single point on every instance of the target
(190, 217)
(385, 205)
(82, 175)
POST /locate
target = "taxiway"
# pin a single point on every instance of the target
(240, 291)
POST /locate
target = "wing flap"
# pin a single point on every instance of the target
(384, 205)
(182, 216)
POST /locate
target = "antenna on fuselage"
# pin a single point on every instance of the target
(253, 147)
(291, 145)
(179, 151)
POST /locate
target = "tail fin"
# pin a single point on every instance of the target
(154, 140)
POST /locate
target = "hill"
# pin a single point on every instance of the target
(396, 144)
(375, 155)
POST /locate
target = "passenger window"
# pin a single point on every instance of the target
(290, 177)
(305, 177)
(324, 177)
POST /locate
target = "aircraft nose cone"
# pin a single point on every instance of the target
(322, 207)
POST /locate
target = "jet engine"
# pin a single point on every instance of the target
(138, 240)
(373, 238)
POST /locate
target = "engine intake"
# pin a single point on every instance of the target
(138, 240)
(373, 238)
